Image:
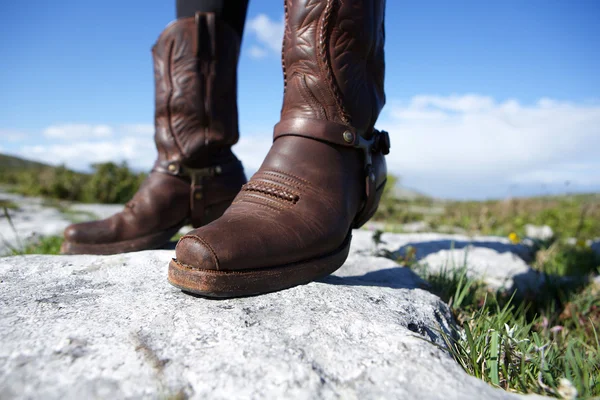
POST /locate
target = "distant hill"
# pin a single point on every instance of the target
(108, 183)
(404, 193)
(11, 162)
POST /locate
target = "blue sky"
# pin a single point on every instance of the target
(485, 99)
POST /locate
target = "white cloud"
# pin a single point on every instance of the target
(137, 129)
(467, 146)
(77, 131)
(252, 150)
(459, 142)
(138, 152)
(133, 143)
(8, 135)
(257, 52)
(268, 33)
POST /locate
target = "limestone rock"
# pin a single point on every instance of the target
(76, 327)
(37, 217)
(496, 260)
(543, 232)
(33, 218)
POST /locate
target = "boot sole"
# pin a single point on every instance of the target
(148, 242)
(225, 284)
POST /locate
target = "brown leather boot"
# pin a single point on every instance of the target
(196, 176)
(324, 175)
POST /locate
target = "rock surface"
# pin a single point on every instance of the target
(543, 232)
(495, 260)
(112, 327)
(36, 217)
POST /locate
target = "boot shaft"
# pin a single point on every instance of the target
(333, 61)
(195, 71)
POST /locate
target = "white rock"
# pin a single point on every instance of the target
(100, 211)
(496, 260)
(543, 232)
(75, 327)
(32, 219)
(35, 218)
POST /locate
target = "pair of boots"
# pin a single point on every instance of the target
(323, 176)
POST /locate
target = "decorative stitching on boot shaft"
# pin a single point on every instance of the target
(285, 175)
(323, 45)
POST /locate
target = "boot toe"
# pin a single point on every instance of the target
(92, 232)
(195, 252)
(76, 233)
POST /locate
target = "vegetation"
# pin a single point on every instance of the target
(108, 183)
(576, 216)
(7, 204)
(44, 245)
(545, 342)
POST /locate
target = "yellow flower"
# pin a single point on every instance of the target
(582, 244)
(514, 238)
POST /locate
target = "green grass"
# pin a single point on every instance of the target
(45, 245)
(76, 216)
(545, 342)
(568, 215)
(42, 245)
(7, 204)
(562, 259)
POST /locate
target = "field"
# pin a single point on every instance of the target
(545, 342)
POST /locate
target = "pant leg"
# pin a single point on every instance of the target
(232, 12)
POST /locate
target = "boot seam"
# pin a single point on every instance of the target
(323, 44)
(170, 96)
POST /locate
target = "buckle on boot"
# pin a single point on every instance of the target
(197, 176)
(379, 142)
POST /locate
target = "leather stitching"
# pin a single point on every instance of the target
(265, 203)
(323, 46)
(309, 98)
(272, 190)
(283, 180)
(258, 182)
(170, 79)
(285, 34)
(286, 174)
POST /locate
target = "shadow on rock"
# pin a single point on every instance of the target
(395, 278)
(170, 246)
(424, 249)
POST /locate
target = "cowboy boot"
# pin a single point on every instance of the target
(325, 172)
(196, 175)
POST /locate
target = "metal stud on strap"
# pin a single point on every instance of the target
(380, 141)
